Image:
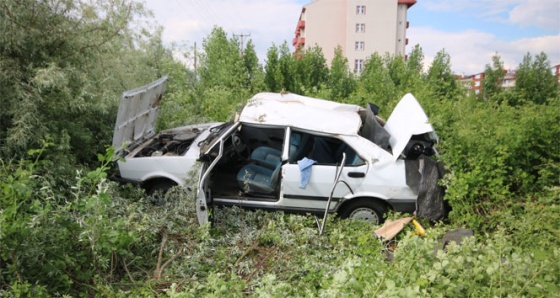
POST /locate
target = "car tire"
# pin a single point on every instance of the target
(364, 209)
(158, 190)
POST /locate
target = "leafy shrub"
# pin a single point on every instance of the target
(87, 241)
(111, 241)
(349, 261)
(498, 155)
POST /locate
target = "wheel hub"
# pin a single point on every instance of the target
(364, 214)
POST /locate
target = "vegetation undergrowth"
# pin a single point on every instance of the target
(111, 240)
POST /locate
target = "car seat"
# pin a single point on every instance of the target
(268, 157)
(254, 178)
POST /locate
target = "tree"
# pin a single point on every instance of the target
(312, 69)
(273, 77)
(441, 78)
(341, 81)
(493, 78)
(397, 70)
(375, 83)
(222, 63)
(255, 75)
(226, 76)
(288, 68)
(63, 65)
(535, 82)
(414, 69)
(415, 61)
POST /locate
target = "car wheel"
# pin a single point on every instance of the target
(158, 191)
(364, 209)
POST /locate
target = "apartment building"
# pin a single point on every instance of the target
(556, 71)
(473, 83)
(360, 27)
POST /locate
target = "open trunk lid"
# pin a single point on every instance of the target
(137, 115)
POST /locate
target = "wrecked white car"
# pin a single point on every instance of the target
(284, 152)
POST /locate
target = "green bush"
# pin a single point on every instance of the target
(498, 156)
(111, 241)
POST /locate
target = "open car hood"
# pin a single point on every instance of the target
(137, 115)
(407, 119)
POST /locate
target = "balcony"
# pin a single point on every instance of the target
(408, 3)
(301, 24)
(298, 41)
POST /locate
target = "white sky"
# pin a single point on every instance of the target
(471, 31)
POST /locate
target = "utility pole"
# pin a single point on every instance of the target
(195, 74)
(241, 37)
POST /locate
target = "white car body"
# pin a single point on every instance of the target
(373, 181)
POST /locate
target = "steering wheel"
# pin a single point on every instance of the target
(238, 144)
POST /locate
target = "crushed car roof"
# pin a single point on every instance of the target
(288, 109)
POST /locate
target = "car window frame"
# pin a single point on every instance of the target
(285, 151)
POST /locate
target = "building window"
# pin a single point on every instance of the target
(361, 9)
(358, 65)
(359, 45)
(360, 27)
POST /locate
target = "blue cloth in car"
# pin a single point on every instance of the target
(305, 170)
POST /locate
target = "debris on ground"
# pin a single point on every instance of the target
(393, 227)
(456, 236)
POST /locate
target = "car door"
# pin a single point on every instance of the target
(210, 157)
(313, 195)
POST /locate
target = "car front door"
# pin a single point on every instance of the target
(212, 152)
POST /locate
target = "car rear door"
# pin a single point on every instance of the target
(315, 193)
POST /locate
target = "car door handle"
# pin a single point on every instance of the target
(356, 174)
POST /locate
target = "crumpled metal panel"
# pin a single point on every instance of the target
(407, 119)
(312, 114)
(137, 114)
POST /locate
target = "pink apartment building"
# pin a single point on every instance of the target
(360, 27)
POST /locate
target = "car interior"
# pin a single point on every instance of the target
(255, 171)
(262, 176)
(250, 169)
